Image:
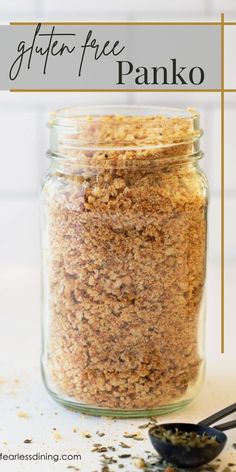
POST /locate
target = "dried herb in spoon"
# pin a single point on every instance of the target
(184, 438)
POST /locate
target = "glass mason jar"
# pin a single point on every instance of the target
(124, 207)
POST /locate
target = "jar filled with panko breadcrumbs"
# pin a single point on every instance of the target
(124, 208)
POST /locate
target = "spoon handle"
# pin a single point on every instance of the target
(218, 415)
(225, 426)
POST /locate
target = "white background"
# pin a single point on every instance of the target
(24, 141)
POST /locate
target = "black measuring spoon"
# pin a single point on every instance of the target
(186, 456)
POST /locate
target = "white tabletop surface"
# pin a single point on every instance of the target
(27, 412)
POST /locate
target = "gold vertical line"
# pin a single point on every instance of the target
(222, 189)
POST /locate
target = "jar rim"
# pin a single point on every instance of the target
(124, 128)
(69, 116)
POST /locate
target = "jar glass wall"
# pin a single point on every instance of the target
(124, 253)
